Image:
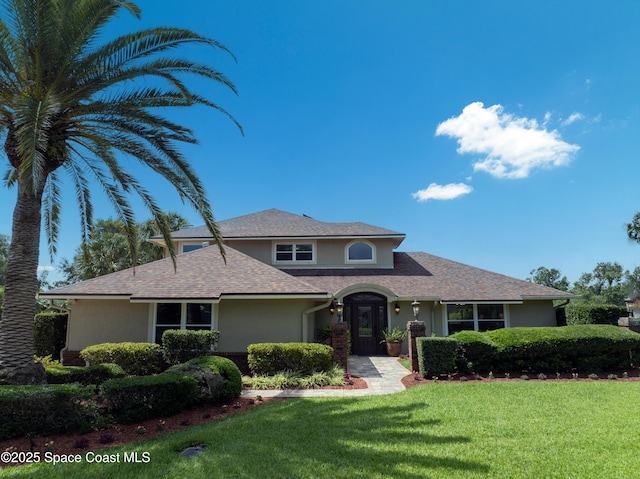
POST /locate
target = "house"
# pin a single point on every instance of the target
(284, 274)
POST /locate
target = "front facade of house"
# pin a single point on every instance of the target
(283, 275)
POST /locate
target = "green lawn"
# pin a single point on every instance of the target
(464, 430)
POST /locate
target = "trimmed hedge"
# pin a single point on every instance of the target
(436, 356)
(96, 374)
(583, 347)
(135, 358)
(218, 378)
(50, 334)
(594, 314)
(180, 346)
(138, 398)
(48, 409)
(304, 358)
(476, 351)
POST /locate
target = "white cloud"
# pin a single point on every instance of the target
(513, 146)
(442, 192)
(46, 268)
(572, 119)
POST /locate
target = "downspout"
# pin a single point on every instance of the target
(305, 328)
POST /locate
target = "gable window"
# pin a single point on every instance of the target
(191, 316)
(294, 252)
(360, 252)
(475, 317)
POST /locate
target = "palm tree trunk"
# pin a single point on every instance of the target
(16, 326)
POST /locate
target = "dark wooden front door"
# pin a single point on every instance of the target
(366, 314)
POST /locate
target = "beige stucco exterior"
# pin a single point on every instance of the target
(532, 313)
(95, 321)
(243, 322)
(329, 253)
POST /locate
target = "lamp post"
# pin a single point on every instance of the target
(339, 310)
(416, 309)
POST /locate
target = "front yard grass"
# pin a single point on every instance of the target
(483, 430)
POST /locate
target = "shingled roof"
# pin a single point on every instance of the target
(422, 275)
(200, 274)
(275, 223)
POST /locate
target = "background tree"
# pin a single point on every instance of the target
(73, 104)
(633, 228)
(605, 285)
(549, 277)
(108, 249)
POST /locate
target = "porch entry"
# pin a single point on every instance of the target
(366, 317)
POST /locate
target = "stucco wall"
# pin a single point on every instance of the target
(532, 313)
(244, 322)
(106, 321)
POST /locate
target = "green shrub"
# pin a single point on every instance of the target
(95, 374)
(305, 358)
(436, 356)
(50, 334)
(179, 346)
(476, 351)
(582, 347)
(594, 314)
(138, 398)
(43, 410)
(218, 378)
(135, 358)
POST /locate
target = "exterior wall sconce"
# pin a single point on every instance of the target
(416, 309)
(332, 308)
(396, 308)
(339, 310)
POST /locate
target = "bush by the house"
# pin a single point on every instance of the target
(49, 334)
(218, 378)
(581, 347)
(95, 374)
(135, 358)
(476, 351)
(138, 398)
(436, 356)
(179, 346)
(594, 314)
(43, 410)
(305, 358)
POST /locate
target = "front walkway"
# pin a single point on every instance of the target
(382, 374)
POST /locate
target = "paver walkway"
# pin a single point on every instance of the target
(382, 374)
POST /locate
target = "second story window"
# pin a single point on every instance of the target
(360, 252)
(294, 252)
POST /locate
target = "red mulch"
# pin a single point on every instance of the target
(124, 434)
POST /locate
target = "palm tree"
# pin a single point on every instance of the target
(71, 105)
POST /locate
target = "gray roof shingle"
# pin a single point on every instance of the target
(275, 223)
(422, 275)
(200, 274)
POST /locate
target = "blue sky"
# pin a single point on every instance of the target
(501, 134)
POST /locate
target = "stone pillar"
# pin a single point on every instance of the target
(416, 329)
(339, 344)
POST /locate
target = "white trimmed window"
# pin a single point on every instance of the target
(191, 316)
(294, 253)
(360, 252)
(475, 317)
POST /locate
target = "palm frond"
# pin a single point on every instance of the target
(51, 210)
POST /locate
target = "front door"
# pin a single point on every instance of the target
(366, 315)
